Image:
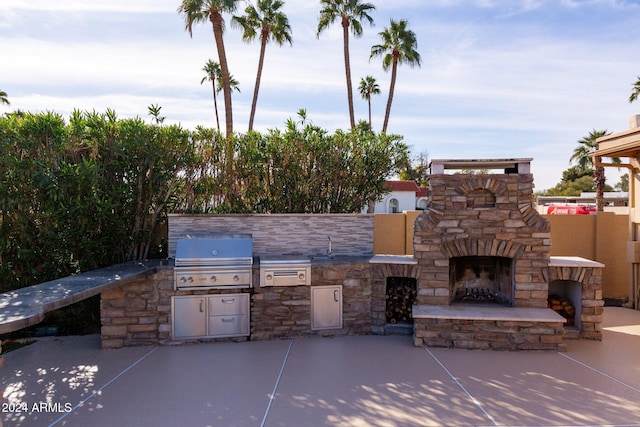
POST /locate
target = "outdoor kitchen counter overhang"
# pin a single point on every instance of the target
(27, 306)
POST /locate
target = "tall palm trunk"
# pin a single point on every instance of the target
(599, 180)
(215, 102)
(263, 47)
(369, 103)
(394, 70)
(216, 21)
(347, 69)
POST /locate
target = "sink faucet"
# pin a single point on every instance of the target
(329, 252)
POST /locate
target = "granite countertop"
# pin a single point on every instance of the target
(27, 306)
(573, 261)
(336, 259)
(486, 312)
(393, 259)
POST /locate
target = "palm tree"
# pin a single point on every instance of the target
(581, 156)
(154, 111)
(3, 98)
(368, 86)
(195, 11)
(351, 14)
(398, 46)
(235, 85)
(213, 74)
(636, 91)
(272, 25)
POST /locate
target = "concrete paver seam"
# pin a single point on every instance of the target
(107, 384)
(465, 391)
(637, 390)
(275, 386)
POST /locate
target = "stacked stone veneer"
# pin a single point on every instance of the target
(285, 311)
(482, 215)
(489, 334)
(138, 313)
(590, 280)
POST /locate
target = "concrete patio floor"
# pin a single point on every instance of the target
(347, 381)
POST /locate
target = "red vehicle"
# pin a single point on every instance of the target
(569, 209)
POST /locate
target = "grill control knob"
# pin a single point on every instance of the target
(190, 279)
(183, 279)
(301, 276)
(236, 278)
(213, 278)
(269, 277)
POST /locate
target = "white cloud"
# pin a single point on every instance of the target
(137, 6)
(492, 82)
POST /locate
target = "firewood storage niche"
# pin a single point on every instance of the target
(401, 293)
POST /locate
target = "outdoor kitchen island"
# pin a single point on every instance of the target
(479, 278)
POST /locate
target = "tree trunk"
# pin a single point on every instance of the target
(599, 180)
(215, 102)
(369, 102)
(394, 70)
(347, 69)
(371, 206)
(263, 48)
(216, 20)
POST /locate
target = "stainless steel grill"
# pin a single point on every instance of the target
(213, 263)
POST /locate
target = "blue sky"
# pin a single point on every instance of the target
(499, 78)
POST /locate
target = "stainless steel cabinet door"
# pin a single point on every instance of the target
(189, 316)
(326, 307)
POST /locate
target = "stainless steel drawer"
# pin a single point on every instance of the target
(231, 325)
(228, 304)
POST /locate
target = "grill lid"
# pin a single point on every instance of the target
(229, 250)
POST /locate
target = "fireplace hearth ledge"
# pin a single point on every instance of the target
(487, 312)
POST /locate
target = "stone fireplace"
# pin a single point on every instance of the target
(473, 220)
(483, 253)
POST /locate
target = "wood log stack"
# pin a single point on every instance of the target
(563, 307)
(401, 295)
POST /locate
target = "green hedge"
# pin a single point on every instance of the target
(94, 191)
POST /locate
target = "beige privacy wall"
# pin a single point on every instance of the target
(602, 237)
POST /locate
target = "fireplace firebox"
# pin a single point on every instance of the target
(481, 279)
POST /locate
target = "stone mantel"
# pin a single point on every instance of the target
(554, 261)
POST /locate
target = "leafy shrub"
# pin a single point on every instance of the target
(96, 191)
